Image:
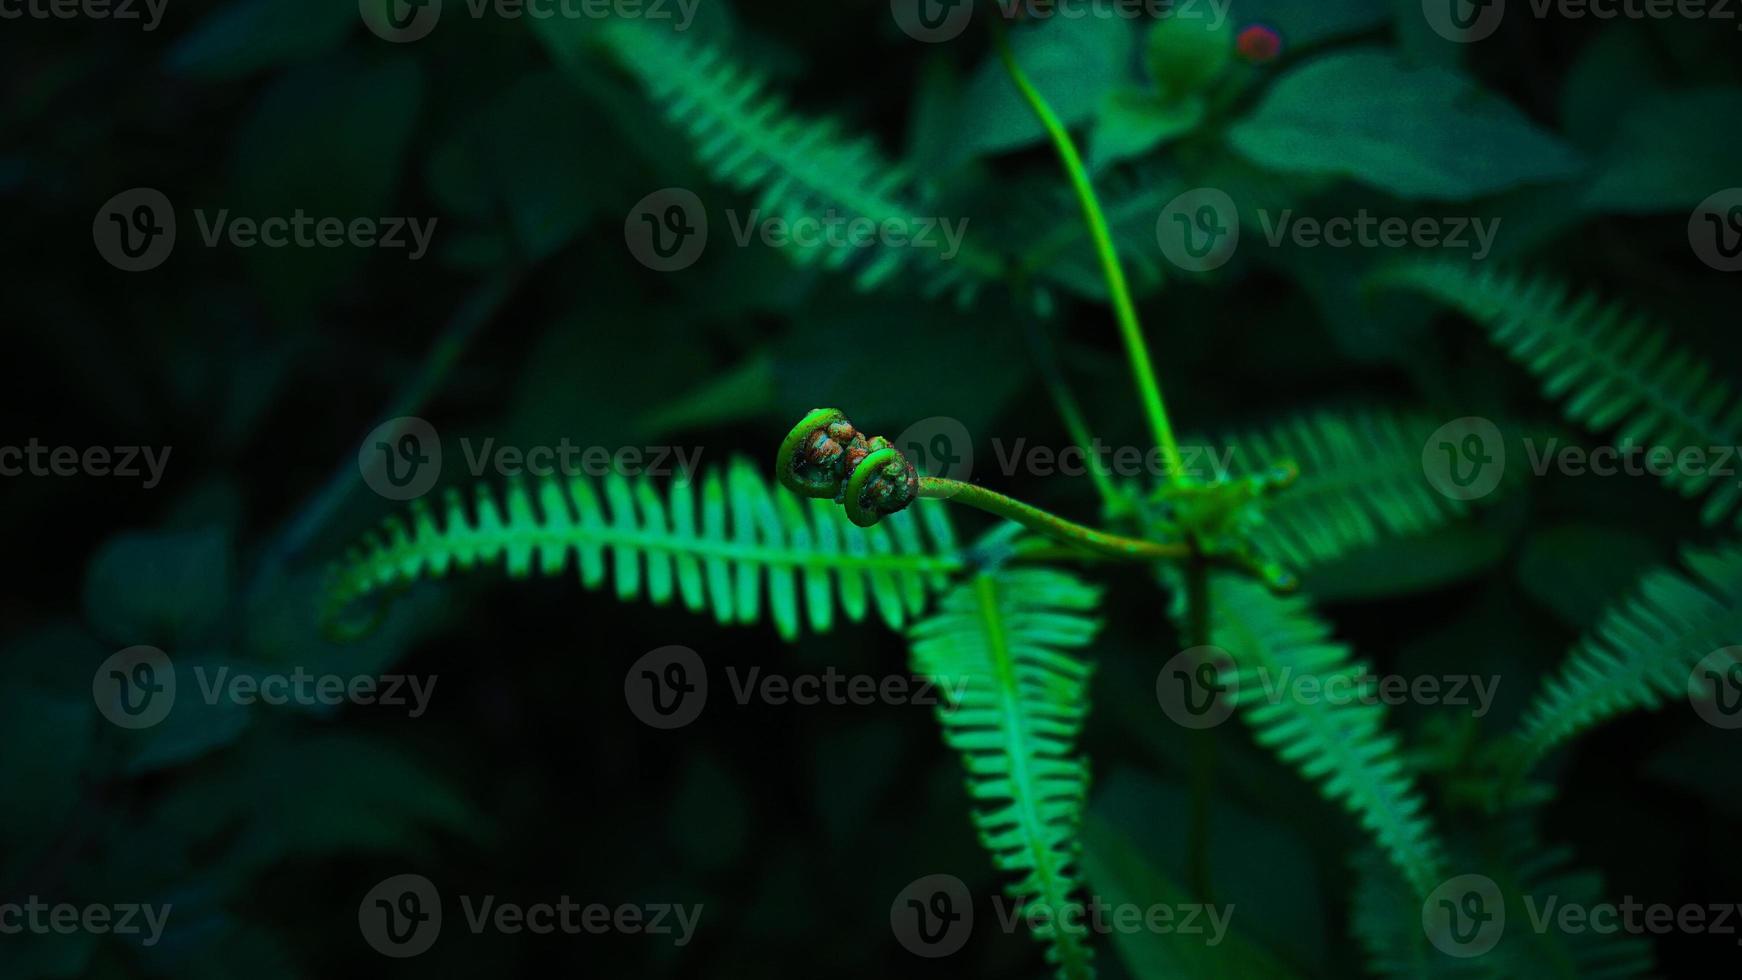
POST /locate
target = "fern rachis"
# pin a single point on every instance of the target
(1010, 640)
(717, 551)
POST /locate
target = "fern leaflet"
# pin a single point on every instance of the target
(717, 551)
(803, 168)
(1360, 480)
(1609, 369)
(1274, 640)
(1641, 651)
(1007, 643)
(1529, 876)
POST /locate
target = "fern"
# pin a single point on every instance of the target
(1641, 651)
(749, 140)
(1610, 370)
(1360, 480)
(717, 551)
(1386, 918)
(1274, 640)
(1010, 640)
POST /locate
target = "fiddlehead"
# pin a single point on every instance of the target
(825, 456)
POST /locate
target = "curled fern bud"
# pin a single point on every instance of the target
(883, 482)
(813, 457)
(825, 456)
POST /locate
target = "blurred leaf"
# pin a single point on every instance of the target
(1577, 569)
(1130, 123)
(522, 160)
(1669, 152)
(291, 793)
(248, 35)
(1612, 74)
(153, 587)
(325, 141)
(1074, 62)
(1418, 133)
(197, 724)
(1306, 22)
(1184, 52)
(1124, 867)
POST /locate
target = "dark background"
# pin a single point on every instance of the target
(529, 778)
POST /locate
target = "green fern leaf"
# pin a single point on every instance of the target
(1642, 650)
(725, 548)
(1610, 370)
(1360, 481)
(1387, 917)
(1006, 645)
(748, 139)
(1341, 744)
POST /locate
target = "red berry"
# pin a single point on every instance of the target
(1258, 44)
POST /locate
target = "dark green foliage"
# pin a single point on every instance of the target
(1321, 826)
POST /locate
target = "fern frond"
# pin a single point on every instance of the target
(1387, 919)
(724, 550)
(1642, 650)
(1360, 480)
(1610, 370)
(1342, 744)
(747, 138)
(1005, 644)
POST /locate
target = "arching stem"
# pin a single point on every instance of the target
(1125, 311)
(1051, 525)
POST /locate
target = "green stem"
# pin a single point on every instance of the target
(1051, 525)
(1123, 308)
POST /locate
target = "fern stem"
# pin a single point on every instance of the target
(1123, 307)
(1051, 525)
